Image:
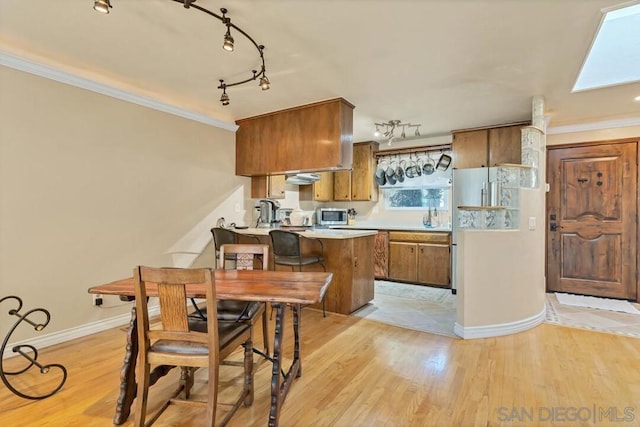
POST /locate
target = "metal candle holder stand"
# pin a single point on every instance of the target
(44, 369)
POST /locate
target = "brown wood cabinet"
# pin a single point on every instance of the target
(270, 187)
(420, 257)
(319, 191)
(342, 185)
(381, 255)
(351, 262)
(358, 184)
(478, 148)
(311, 137)
(403, 261)
(434, 264)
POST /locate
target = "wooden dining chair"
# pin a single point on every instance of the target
(179, 342)
(246, 256)
(222, 236)
(287, 251)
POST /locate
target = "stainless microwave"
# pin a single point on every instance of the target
(331, 216)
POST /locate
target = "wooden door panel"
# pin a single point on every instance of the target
(597, 259)
(592, 213)
(583, 198)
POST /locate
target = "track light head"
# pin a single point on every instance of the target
(224, 98)
(102, 6)
(264, 82)
(228, 41)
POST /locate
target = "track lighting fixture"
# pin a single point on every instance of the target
(228, 40)
(388, 129)
(224, 99)
(103, 6)
(264, 82)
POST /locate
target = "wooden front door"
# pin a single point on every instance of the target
(592, 220)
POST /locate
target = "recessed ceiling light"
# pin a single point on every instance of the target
(637, 98)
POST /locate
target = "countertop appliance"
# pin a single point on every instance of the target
(269, 213)
(332, 216)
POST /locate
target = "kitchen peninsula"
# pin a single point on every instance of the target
(349, 255)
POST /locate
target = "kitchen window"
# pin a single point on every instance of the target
(417, 198)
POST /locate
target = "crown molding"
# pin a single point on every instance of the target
(52, 73)
(585, 127)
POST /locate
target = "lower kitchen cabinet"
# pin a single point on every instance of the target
(434, 264)
(381, 255)
(403, 261)
(420, 257)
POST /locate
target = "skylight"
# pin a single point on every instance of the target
(614, 57)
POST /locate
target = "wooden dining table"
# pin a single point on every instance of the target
(277, 287)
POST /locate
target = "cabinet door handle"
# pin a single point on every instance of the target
(411, 250)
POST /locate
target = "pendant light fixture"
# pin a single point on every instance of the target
(228, 44)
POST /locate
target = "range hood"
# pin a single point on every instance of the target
(302, 178)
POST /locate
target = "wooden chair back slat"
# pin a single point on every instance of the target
(245, 255)
(173, 314)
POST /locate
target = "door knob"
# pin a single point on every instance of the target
(553, 227)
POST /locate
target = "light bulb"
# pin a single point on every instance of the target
(101, 6)
(228, 41)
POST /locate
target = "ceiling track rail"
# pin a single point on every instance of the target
(414, 150)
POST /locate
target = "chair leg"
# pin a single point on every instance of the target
(186, 380)
(143, 373)
(212, 393)
(265, 330)
(324, 313)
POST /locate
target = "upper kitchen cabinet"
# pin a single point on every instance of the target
(312, 137)
(478, 148)
(268, 187)
(319, 191)
(358, 184)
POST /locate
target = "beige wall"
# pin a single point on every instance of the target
(91, 186)
(593, 135)
(502, 272)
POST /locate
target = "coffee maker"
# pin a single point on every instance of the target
(269, 213)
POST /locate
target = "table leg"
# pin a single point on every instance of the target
(274, 412)
(279, 389)
(128, 373)
(297, 317)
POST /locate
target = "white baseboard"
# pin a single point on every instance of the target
(488, 331)
(73, 333)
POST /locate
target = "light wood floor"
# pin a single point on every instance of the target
(358, 372)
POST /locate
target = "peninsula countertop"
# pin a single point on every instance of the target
(318, 233)
(393, 227)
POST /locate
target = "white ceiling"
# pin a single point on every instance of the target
(445, 64)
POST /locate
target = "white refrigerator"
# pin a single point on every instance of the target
(467, 189)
